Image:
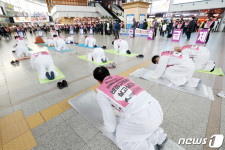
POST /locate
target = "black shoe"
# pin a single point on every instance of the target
(64, 83)
(13, 51)
(59, 85)
(17, 61)
(103, 47)
(95, 46)
(12, 62)
(162, 145)
(128, 52)
(52, 75)
(48, 76)
(212, 69)
(140, 56)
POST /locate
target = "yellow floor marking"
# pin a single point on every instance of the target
(27, 141)
(51, 112)
(0, 143)
(64, 105)
(11, 119)
(23, 142)
(13, 131)
(35, 120)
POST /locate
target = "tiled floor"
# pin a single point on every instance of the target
(185, 115)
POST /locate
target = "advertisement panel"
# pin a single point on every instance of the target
(129, 21)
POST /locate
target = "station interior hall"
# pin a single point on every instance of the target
(112, 74)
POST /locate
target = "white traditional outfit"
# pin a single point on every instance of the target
(69, 40)
(42, 62)
(50, 42)
(54, 33)
(140, 114)
(97, 55)
(200, 56)
(90, 41)
(177, 68)
(21, 48)
(20, 40)
(59, 44)
(121, 46)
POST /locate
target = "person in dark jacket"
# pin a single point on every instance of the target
(145, 25)
(190, 28)
(116, 28)
(105, 28)
(169, 29)
(101, 28)
(134, 25)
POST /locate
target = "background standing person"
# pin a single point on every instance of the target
(101, 28)
(164, 27)
(105, 25)
(209, 25)
(117, 29)
(190, 28)
(155, 27)
(145, 25)
(111, 28)
(169, 29)
(134, 25)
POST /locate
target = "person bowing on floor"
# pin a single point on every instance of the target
(177, 68)
(121, 46)
(140, 113)
(90, 41)
(200, 56)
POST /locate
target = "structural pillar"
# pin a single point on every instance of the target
(137, 10)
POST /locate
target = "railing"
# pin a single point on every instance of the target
(102, 10)
(109, 11)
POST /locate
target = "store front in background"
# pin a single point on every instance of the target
(77, 20)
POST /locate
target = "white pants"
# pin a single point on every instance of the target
(179, 74)
(22, 51)
(60, 45)
(90, 42)
(97, 54)
(43, 64)
(141, 131)
(202, 61)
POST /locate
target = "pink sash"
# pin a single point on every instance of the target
(172, 53)
(208, 24)
(191, 47)
(153, 24)
(42, 53)
(179, 25)
(119, 89)
(175, 24)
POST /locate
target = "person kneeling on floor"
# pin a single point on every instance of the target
(21, 48)
(69, 40)
(97, 55)
(42, 62)
(90, 41)
(177, 68)
(121, 46)
(200, 56)
(59, 43)
(140, 113)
